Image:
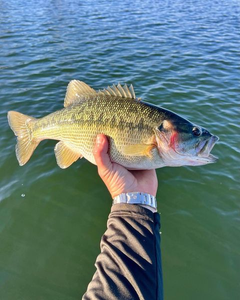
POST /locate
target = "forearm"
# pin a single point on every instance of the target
(129, 265)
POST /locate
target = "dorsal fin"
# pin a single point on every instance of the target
(120, 91)
(77, 91)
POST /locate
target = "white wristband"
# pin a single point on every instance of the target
(136, 198)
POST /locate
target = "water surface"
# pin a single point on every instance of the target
(183, 55)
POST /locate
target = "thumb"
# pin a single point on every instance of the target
(101, 156)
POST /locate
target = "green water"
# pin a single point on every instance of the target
(183, 55)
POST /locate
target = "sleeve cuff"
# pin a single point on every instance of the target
(135, 211)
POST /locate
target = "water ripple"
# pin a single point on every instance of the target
(182, 55)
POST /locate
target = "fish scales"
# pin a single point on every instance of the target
(118, 114)
(79, 124)
(141, 135)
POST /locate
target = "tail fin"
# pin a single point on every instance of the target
(21, 125)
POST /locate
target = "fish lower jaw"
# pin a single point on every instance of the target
(205, 154)
(212, 158)
(205, 159)
(204, 148)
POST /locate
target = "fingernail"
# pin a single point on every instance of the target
(99, 140)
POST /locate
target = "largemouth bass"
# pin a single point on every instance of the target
(141, 135)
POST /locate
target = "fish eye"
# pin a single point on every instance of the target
(196, 131)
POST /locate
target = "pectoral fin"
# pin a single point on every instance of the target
(138, 150)
(64, 155)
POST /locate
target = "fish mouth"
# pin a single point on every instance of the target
(204, 148)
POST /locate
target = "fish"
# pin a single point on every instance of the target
(142, 136)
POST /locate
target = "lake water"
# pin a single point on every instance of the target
(183, 55)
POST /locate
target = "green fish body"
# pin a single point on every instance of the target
(138, 132)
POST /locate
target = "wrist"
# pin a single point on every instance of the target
(143, 199)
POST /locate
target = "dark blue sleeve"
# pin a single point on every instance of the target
(129, 265)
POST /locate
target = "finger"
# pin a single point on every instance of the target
(101, 156)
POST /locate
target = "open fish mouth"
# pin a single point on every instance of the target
(204, 148)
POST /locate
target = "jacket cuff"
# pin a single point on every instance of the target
(134, 211)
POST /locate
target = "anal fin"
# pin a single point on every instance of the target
(65, 156)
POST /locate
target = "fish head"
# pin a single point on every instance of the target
(182, 143)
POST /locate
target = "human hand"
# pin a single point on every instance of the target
(117, 178)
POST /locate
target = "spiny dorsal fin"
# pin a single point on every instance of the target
(120, 91)
(77, 91)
